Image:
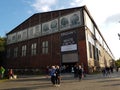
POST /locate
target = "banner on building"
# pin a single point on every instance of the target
(70, 21)
(68, 41)
(50, 27)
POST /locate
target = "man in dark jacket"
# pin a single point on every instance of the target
(80, 72)
(58, 78)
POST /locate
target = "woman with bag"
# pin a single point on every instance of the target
(58, 78)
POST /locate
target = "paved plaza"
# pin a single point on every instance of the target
(90, 82)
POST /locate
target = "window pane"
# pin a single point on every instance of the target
(46, 50)
(8, 53)
(94, 52)
(45, 47)
(34, 51)
(43, 50)
(25, 47)
(35, 45)
(46, 43)
(32, 46)
(90, 50)
(43, 44)
(24, 50)
(15, 51)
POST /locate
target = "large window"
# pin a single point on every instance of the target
(94, 52)
(90, 50)
(16, 52)
(45, 47)
(24, 50)
(8, 53)
(33, 49)
(97, 52)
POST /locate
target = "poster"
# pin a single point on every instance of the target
(70, 21)
(50, 27)
(68, 41)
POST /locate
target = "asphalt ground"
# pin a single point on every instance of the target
(68, 82)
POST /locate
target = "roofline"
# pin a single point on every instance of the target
(43, 13)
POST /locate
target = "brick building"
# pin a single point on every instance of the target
(61, 37)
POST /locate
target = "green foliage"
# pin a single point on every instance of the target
(117, 62)
(2, 50)
(2, 44)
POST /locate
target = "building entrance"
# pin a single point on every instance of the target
(68, 67)
(69, 60)
(70, 57)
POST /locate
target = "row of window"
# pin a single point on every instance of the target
(94, 31)
(95, 54)
(24, 50)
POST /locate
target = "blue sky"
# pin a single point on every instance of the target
(106, 14)
(14, 12)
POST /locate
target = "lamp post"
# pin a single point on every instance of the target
(119, 36)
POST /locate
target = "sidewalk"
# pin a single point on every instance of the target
(90, 82)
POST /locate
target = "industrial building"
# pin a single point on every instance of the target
(60, 37)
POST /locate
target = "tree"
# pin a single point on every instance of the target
(117, 63)
(2, 50)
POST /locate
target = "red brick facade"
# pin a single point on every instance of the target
(54, 55)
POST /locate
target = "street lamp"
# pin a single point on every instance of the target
(119, 36)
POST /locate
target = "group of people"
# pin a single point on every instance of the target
(6, 73)
(78, 71)
(54, 72)
(107, 70)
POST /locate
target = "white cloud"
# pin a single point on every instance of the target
(43, 5)
(29, 12)
(113, 18)
(75, 3)
(99, 9)
(111, 36)
(107, 16)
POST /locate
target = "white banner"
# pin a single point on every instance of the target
(68, 47)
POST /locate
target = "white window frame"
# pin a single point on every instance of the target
(45, 47)
(24, 48)
(33, 48)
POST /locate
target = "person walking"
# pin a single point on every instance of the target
(53, 75)
(2, 71)
(108, 71)
(76, 69)
(103, 71)
(117, 69)
(11, 74)
(58, 78)
(47, 71)
(80, 72)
